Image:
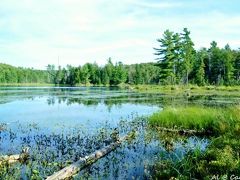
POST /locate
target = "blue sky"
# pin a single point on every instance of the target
(34, 33)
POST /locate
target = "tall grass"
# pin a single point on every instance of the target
(190, 89)
(221, 157)
(216, 120)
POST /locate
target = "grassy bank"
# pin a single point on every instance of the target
(169, 89)
(216, 120)
(186, 90)
(222, 156)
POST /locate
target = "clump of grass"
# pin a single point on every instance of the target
(215, 120)
(197, 165)
(221, 157)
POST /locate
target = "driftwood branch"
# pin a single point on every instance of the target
(74, 168)
(15, 158)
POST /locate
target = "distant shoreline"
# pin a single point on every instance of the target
(168, 89)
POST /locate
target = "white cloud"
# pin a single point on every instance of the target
(35, 33)
(157, 5)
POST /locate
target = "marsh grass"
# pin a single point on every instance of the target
(221, 158)
(222, 155)
(187, 90)
(206, 119)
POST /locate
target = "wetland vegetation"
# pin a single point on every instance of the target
(70, 131)
(184, 111)
(220, 125)
(213, 120)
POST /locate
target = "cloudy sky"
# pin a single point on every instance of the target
(34, 33)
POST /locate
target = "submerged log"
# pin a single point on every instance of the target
(185, 131)
(74, 168)
(15, 158)
(10, 158)
(180, 131)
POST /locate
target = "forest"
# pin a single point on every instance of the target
(177, 63)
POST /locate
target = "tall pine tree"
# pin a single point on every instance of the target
(166, 59)
(188, 54)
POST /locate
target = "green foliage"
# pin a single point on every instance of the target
(144, 73)
(167, 57)
(92, 74)
(199, 67)
(221, 158)
(11, 74)
(216, 120)
(195, 165)
(180, 63)
(236, 65)
(188, 54)
(119, 74)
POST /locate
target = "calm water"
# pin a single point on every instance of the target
(63, 124)
(53, 108)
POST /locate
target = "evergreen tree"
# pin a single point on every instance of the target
(228, 69)
(59, 76)
(119, 74)
(138, 76)
(51, 73)
(85, 74)
(215, 67)
(105, 77)
(109, 69)
(200, 67)
(188, 53)
(178, 57)
(237, 66)
(177, 62)
(166, 59)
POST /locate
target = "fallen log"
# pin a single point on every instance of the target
(185, 131)
(9, 158)
(15, 158)
(74, 168)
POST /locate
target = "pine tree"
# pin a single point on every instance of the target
(178, 56)
(216, 64)
(119, 74)
(85, 74)
(166, 58)
(228, 65)
(200, 70)
(188, 53)
(237, 66)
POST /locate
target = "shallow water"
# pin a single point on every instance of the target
(52, 108)
(62, 124)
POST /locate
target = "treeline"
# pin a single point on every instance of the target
(180, 63)
(110, 74)
(11, 74)
(88, 74)
(177, 63)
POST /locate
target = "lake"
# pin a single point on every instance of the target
(62, 124)
(51, 108)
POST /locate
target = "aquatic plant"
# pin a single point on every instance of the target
(221, 157)
(50, 152)
(207, 119)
